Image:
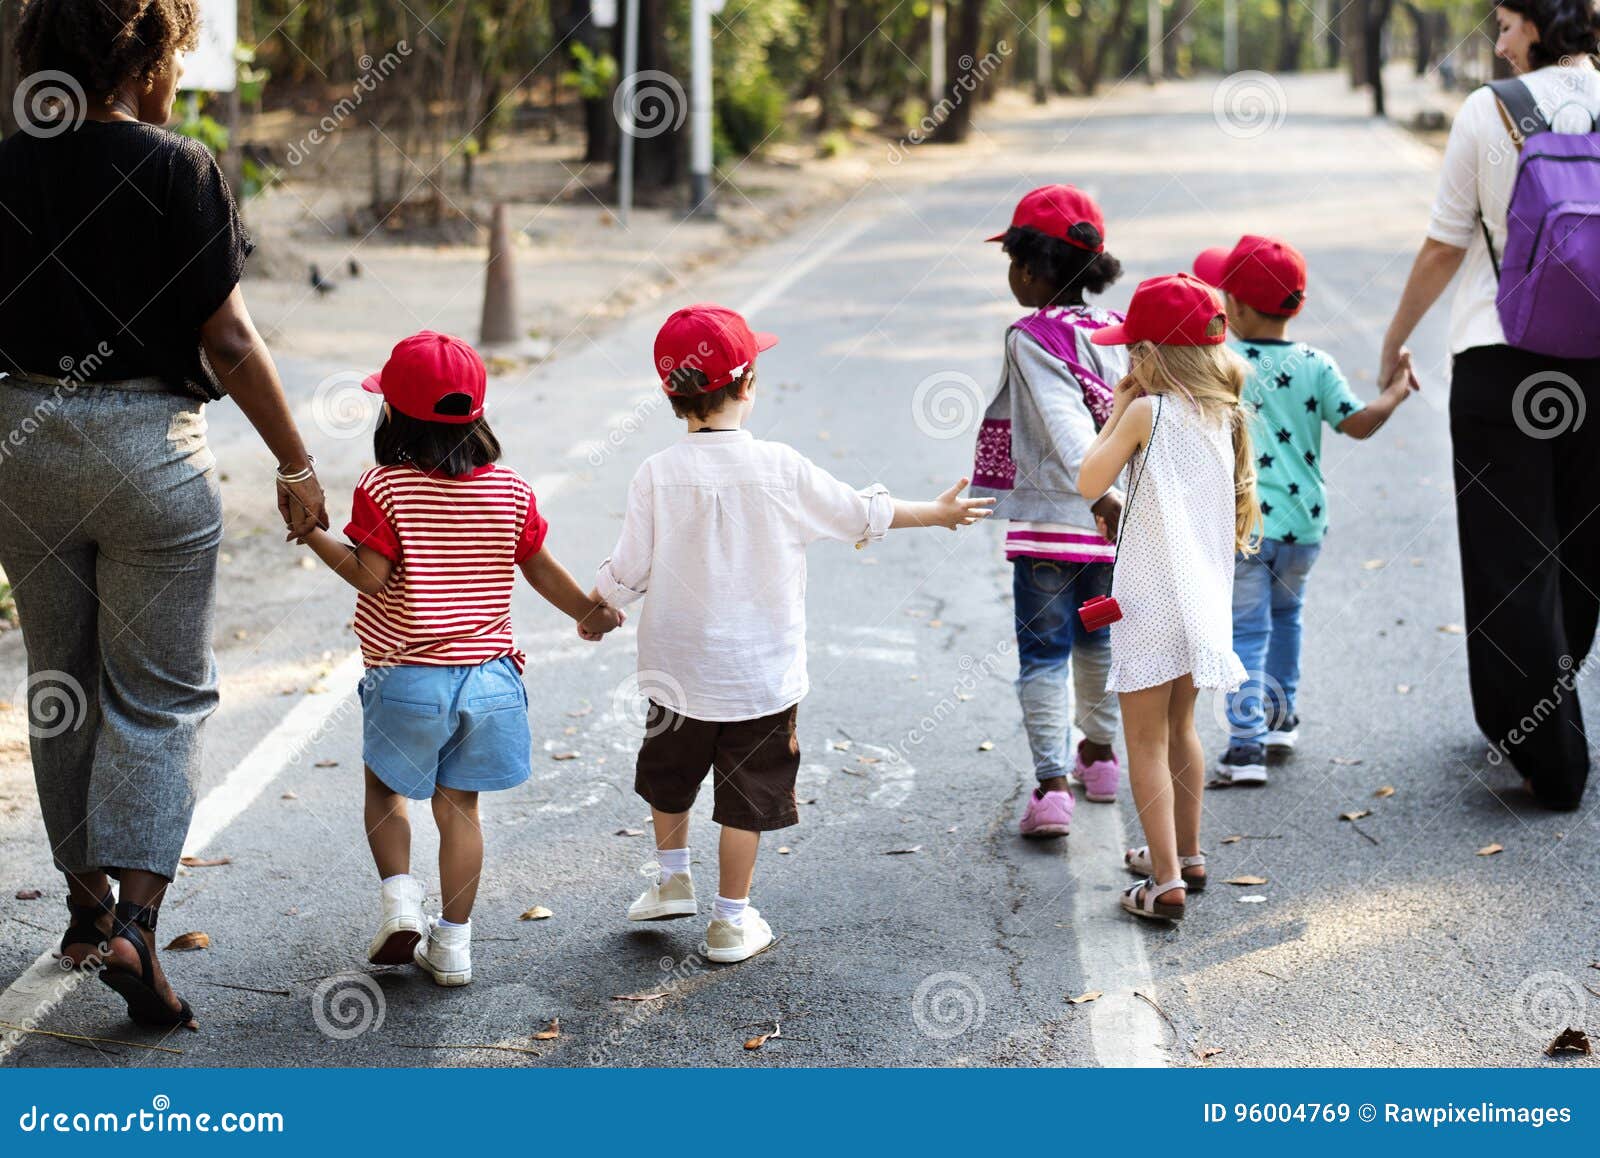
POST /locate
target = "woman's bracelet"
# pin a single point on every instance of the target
(299, 475)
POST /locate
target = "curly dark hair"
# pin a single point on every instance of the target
(103, 44)
(1567, 28)
(1067, 269)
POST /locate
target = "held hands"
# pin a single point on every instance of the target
(601, 619)
(952, 511)
(302, 506)
(1401, 379)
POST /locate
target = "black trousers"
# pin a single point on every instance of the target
(1526, 435)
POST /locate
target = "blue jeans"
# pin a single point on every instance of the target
(1268, 592)
(1047, 595)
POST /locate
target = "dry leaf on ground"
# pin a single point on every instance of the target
(549, 1032)
(29, 894)
(290, 796)
(1403, 689)
(907, 851)
(629, 832)
(761, 1039)
(326, 764)
(986, 746)
(1569, 1041)
(1232, 839)
(204, 861)
(1208, 1052)
(1385, 792)
(563, 755)
(1255, 899)
(1346, 761)
(1084, 997)
(1451, 629)
(1245, 880)
(1372, 564)
(1357, 815)
(578, 713)
(784, 850)
(187, 941)
(1491, 849)
(637, 996)
(537, 913)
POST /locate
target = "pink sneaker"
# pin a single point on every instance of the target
(1049, 814)
(1099, 779)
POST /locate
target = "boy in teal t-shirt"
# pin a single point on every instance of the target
(1293, 390)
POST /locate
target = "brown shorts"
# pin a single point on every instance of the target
(756, 762)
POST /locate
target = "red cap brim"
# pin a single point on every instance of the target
(1210, 265)
(996, 237)
(373, 383)
(764, 341)
(1115, 334)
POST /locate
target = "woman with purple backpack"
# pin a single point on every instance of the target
(1056, 391)
(1521, 167)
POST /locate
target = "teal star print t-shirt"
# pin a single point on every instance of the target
(1293, 389)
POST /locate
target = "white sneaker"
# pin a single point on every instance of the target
(664, 900)
(727, 942)
(1283, 737)
(447, 954)
(400, 923)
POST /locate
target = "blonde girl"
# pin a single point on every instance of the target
(1179, 429)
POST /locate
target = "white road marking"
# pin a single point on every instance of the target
(1123, 1030)
(44, 985)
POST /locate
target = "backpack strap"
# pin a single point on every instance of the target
(1519, 113)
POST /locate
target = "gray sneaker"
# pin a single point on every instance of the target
(1244, 765)
(727, 942)
(665, 900)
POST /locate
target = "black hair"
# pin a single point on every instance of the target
(1068, 270)
(691, 399)
(1567, 28)
(453, 448)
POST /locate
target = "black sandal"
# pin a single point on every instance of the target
(145, 1005)
(84, 929)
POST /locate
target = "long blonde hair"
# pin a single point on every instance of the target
(1213, 378)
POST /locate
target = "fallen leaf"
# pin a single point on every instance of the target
(915, 613)
(952, 828)
(1255, 899)
(549, 1032)
(241, 634)
(1355, 815)
(811, 800)
(1346, 761)
(1491, 849)
(629, 832)
(204, 862)
(853, 771)
(326, 764)
(1403, 689)
(1385, 792)
(1232, 839)
(1083, 997)
(637, 996)
(1569, 1040)
(1208, 1052)
(306, 563)
(1372, 564)
(188, 941)
(579, 713)
(963, 696)
(1245, 880)
(986, 746)
(290, 796)
(839, 745)
(904, 851)
(784, 850)
(563, 755)
(29, 894)
(761, 1039)
(1451, 629)
(935, 623)
(537, 913)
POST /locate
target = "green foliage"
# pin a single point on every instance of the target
(749, 110)
(833, 144)
(593, 73)
(252, 79)
(209, 131)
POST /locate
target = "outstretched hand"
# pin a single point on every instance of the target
(952, 511)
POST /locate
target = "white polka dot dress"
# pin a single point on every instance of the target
(1174, 575)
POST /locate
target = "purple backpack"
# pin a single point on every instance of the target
(1550, 271)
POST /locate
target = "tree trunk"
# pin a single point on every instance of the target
(8, 66)
(658, 158)
(828, 79)
(1107, 44)
(1288, 43)
(961, 91)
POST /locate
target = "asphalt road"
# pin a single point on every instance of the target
(1376, 942)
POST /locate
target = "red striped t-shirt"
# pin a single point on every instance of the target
(455, 542)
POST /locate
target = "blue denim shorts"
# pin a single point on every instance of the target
(446, 727)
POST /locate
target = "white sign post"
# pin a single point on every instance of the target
(211, 67)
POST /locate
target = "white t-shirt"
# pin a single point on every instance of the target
(716, 532)
(1480, 167)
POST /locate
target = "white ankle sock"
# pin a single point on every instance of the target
(672, 860)
(726, 909)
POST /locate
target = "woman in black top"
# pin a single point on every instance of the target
(121, 251)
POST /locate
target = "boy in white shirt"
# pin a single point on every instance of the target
(715, 531)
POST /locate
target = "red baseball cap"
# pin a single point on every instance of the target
(712, 339)
(1053, 210)
(1175, 310)
(1262, 272)
(426, 369)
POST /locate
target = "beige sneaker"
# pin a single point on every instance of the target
(727, 942)
(446, 955)
(665, 900)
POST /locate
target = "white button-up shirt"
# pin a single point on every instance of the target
(715, 533)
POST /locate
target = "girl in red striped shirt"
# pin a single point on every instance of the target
(437, 533)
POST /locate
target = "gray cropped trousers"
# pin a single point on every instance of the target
(110, 523)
